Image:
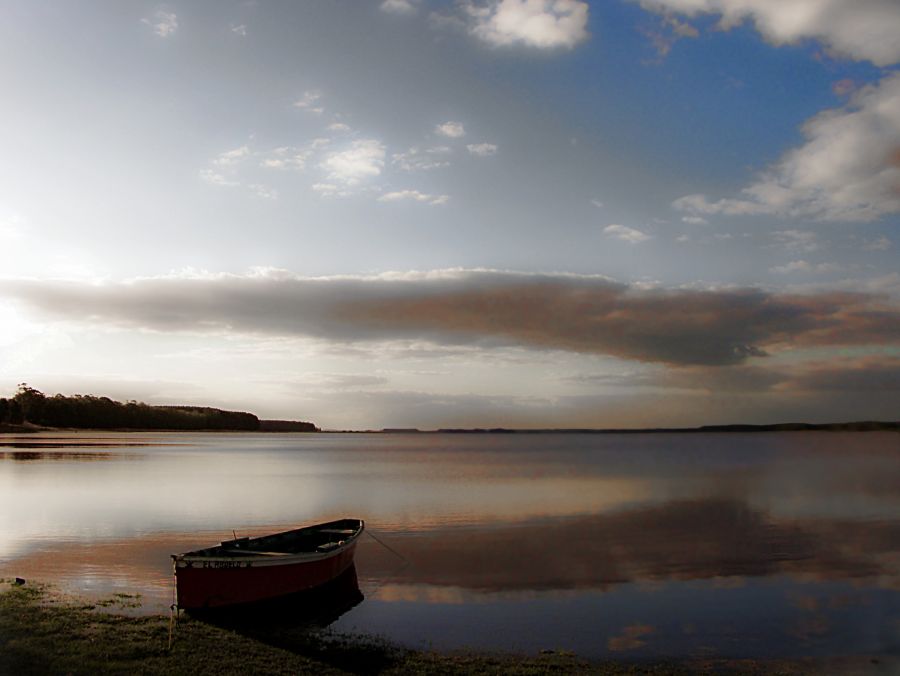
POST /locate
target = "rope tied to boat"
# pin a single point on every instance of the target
(387, 547)
(403, 565)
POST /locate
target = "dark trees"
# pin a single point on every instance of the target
(90, 412)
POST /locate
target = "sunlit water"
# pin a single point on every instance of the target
(633, 546)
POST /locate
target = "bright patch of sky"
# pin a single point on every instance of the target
(668, 145)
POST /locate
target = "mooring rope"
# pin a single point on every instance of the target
(388, 547)
(405, 563)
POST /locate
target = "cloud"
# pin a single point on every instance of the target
(450, 129)
(482, 149)
(415, 196)
(223, 168)
(264, 191)
(310, 102)
(216, 178)
(866, 374)
(865, 30)
(694, 220)
(400, 6)
(287, 157)
(793, 266)
(339, 381)
(844, 87)
(580, 314)
(239, 30)
(339, 127)
(330, 190)
(847, 170)
(700, 204)
(423, 159)
(232, 157)
(797, 240)
(626, 234)
(544, 24)
(739, 378)
(670, 30)
(361, 160)
(839, 374)
(805, 266)
(163, 23)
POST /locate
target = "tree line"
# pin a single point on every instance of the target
(91, 412)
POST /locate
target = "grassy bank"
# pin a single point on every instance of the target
(40, 633)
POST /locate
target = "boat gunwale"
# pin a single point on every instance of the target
(267, 559)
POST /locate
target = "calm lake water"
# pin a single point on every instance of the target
(631, 546)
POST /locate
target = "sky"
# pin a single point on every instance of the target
(468, 213)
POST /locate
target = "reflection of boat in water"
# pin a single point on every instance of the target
(317, 607)
(251, 570)
(290, 622)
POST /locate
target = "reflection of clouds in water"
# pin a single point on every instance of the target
(723, 543)
(717, 540)
(426, 594)
(632, 637)
(636, 583)
(103, 566)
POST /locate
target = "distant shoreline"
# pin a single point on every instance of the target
(855, 426)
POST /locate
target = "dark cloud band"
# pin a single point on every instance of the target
(584, 314)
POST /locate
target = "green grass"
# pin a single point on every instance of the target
(42, 634)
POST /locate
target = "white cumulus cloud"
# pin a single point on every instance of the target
(847, 170)
(330, 190)
(286, 157)
(451, 129)
(865, 30)
(232, 157)
(626, 234)
(163, 23)
(360, 160)
(414, 196)
(793, 266)
(399, 6)
(544, 24)
(482, 149)
(422, 159)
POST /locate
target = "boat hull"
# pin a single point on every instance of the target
(206, 582)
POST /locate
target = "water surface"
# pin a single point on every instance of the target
(639, 545)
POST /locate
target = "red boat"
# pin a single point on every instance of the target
(248, 570)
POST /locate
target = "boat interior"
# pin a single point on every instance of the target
(320, 538)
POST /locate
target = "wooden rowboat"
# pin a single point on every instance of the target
(248, 570)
